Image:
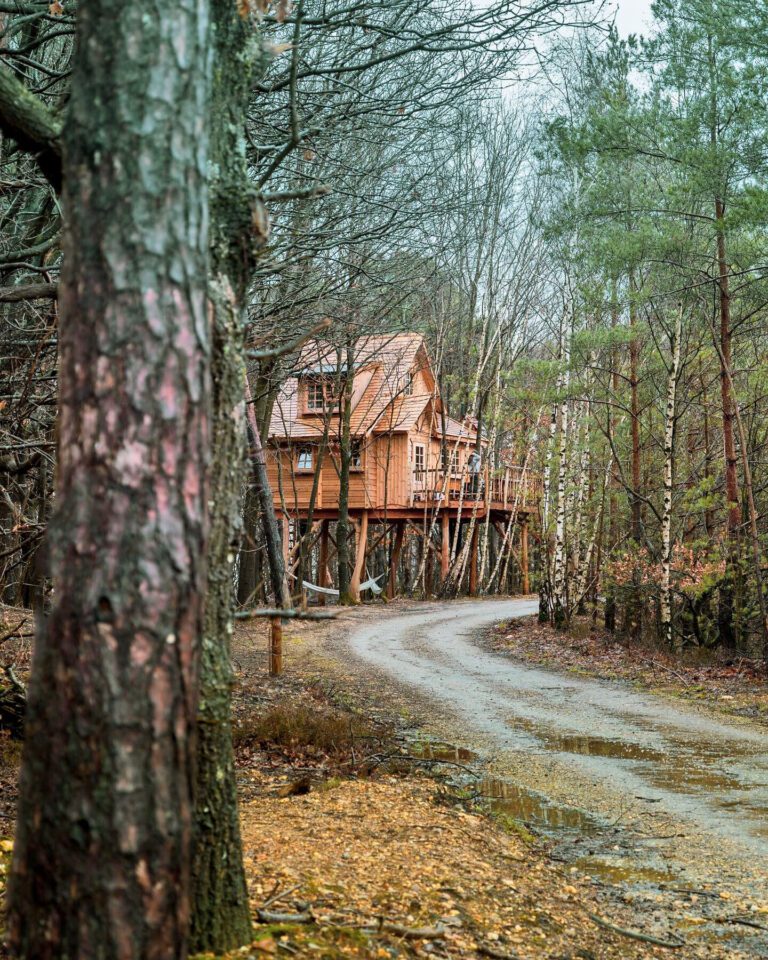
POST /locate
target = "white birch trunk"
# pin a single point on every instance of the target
(560, 597)
(670, 424)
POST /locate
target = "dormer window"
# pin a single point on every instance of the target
(315, 395)
(319, 395)
(408, 388)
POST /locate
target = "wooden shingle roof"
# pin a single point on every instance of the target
(382, 363)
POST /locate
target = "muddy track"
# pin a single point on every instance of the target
(688, 791)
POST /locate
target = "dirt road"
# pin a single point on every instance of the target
(690, 788)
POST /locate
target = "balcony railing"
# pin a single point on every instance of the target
(502, 488)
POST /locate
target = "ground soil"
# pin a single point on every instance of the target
(366, 844)
(360, 842)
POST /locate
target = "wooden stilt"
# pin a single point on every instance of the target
(275, 646)
(524, 555)
(286, 533)
(473, 560)
(357, 572)
(322, 574)
(395, 561)
(445, 545)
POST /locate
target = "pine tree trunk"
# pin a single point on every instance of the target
(635, 611)
(102, 857)
(733, 511)
(220, 911)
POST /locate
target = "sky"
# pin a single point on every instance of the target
(632, 16)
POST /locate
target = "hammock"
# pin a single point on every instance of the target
(372, 584)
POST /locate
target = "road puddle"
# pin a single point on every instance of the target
(534, 809)
(510, 799)
(601, 747)
(729, 776)
(621, 870)
(447, 752)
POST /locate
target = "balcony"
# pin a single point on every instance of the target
(506, 488)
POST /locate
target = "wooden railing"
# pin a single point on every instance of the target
(502, 488)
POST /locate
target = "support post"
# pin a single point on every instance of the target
(473, 560)
(397, 549)
(362, 543)
(524, 555)
(322, 565)
(286, 532)
(275, 646)
(445, 545)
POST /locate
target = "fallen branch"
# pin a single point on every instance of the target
(383, 926)
(271, 916)
(637, 935)
(378, 758)
(744, 921)
(14, 631)
(274, 896)
(408, 933)
(29, 291)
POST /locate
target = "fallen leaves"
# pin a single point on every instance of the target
(373, 863)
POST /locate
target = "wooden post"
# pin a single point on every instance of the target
(362, 542)
(524, 554)
(275, 646)
(395, 561)
(286, 531)
(473, 560)
(445, 545)
(322, 576)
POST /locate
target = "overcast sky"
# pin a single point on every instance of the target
(632, 16)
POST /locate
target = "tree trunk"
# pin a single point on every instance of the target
(733, 511)
(275, 546)
(726, 627)
(670, 427)
(102, 857)
(635, 611)
(220, 911)
(560, 602)
(345, 459)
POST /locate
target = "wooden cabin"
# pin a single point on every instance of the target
(409, 457)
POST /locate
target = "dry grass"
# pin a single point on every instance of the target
(297, 726)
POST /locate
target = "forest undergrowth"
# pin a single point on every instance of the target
(711, 677)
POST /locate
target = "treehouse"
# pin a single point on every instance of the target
(368, 422)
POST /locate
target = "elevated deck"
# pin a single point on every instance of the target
(432, 493)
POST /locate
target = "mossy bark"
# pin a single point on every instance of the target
(101, 864)
(220, 914)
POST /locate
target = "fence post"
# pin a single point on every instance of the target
(275, 646)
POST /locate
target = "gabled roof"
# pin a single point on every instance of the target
(382, 363)
(402, 414)
(379, 403)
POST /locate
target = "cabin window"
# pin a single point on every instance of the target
(316, 394)
(449, 458)
(408, 388)
(418, 458)
(304, 459)
(356, 456)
